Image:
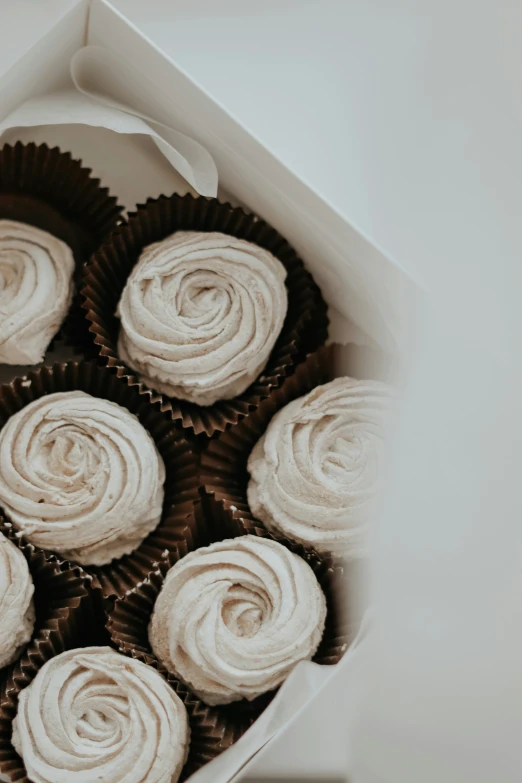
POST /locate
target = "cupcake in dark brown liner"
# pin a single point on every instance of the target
(316, 471)
(308, 468)
(130, 617)
(65, 617)
(304, 328)
(53, 215)
(113, 458)
(93, 714)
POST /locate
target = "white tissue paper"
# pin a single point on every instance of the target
(91, 103)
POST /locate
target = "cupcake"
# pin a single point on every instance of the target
(233, 619)
(95, 473)
(205, 304)
(315, 472)
(53, 215)
(93, 714)
(17, 614)
(36, 290)
(200, 315)
(80, 476)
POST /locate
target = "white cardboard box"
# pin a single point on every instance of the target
(359, 282)
(429, 130)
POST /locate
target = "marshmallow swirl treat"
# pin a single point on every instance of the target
(80, 476)
(92, 714)
(315, 471)
(36, 289)
(200, 314)
(234, 618)
(16, 602)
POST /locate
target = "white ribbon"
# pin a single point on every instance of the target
(100, 79)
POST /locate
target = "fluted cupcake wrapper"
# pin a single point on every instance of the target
(66, 617)
(60, 350)
(48, 189)
(304, 330)
(179, 531)
(130, 616)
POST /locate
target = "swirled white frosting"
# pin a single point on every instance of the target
(16, 602)
(36, 289)
(80, 476)
(234, 618)
(200, 314)
(92, 714)
(315, 471)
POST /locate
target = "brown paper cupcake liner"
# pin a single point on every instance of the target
(46, 188)
(59, 350)
(129, 618)
(65, 618)
(304, 330)
(178, 531)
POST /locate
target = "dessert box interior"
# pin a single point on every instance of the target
(369, 298)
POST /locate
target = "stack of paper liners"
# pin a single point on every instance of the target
(179, 531)
(46, 188)
(304, 330)
(66, 617)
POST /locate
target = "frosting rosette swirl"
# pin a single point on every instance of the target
(92, 714)
(200, 314)
(36, 289)
(315, 472)
(80, 476)
(16, 602)
(234, 618)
